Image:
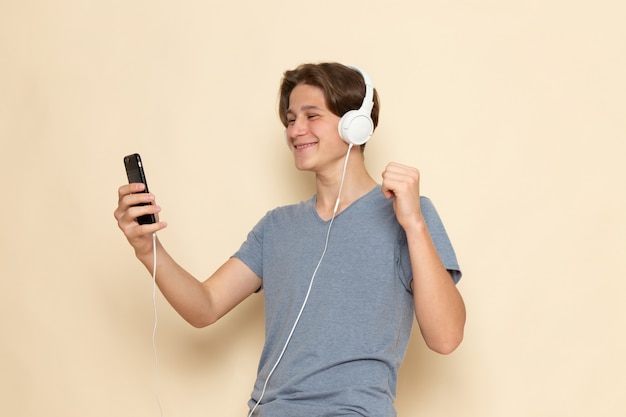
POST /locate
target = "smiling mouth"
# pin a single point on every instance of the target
(305, 145)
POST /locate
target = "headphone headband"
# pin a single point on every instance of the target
(368, 100)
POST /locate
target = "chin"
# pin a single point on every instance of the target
(303, 164)
(303, 167)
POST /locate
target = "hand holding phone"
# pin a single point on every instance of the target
(135, 173)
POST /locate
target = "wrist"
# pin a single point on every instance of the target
(417, 226)
(145, 252)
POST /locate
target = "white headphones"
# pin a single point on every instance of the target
(357, 126)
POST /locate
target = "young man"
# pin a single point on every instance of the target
(343, 273)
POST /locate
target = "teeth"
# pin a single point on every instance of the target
(306, 145)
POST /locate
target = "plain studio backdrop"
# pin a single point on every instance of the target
(514, 112)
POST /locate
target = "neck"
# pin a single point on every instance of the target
(357, 182)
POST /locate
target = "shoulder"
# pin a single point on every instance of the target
(291, 209)
(427, 206)
(431, 216)
(285, 214)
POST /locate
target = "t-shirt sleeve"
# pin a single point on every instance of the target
(251, 250)
(440, 239)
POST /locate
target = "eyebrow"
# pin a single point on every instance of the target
(304, 108)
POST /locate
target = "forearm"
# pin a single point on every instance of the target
(439, 307)
(185, 293)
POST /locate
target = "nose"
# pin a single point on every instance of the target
(298, 127)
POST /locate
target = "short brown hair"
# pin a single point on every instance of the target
(343, 88)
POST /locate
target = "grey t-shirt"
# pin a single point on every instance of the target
(345, 352)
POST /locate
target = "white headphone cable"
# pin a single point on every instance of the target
(306, 297)
(154, 305)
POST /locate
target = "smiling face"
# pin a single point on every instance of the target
(312, 130)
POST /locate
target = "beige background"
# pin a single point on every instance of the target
(514, 111)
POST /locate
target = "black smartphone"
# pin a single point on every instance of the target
(135, 173)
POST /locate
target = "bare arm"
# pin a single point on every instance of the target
(439, 307)
(200, 303)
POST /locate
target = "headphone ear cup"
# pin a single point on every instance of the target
(356, 127)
